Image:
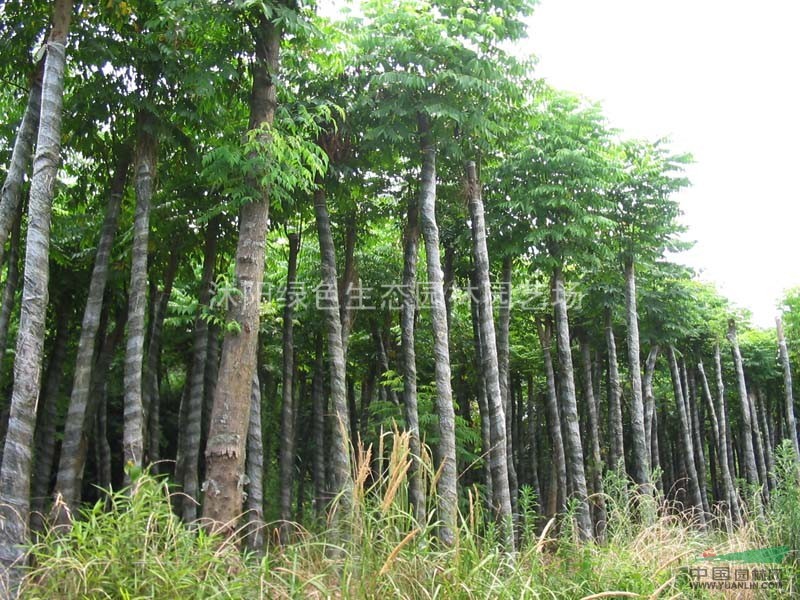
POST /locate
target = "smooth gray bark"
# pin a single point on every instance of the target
(503, 359)
(190, 426)
(447, 495)
(11, 194)
(483, 404)
(690, 396)
(616, 444)
(694, 496)
(718, 434)
(533, 441)
(144, 181)
(649, 404)
(791, 423)
(151, 394)
(254, 468)
(10, 289)
(544, 330)
(286, 458)
(339, 449)
(569, 407)
(498, 456)
(749, 458)
(15, 475)
(76, 426)
(45, 436)
(595, 463)
(408, 308)
(640, 456)
(318, 427)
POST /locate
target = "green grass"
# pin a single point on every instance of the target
(138, 548)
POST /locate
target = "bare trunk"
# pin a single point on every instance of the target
(503, 358)
(499, 457)
(640, 459)
(45, 436)
(144, 173)
(694, 496)
(718, 434)
(11, 194)
(559, 464)
(569, 405)
(10, 291)
(190, 427)
(318, 424)
(649, 405)
(254, 505)
(15, 476)
(483, 404)
(287, 450)
(791, 423)
(408, 308)
(769, 458)
(339, 449)
(533, 450)
(150, 389)
(690, 396)
(749, 458)
(596, 462)
(616, 446)
(76, 427)
(447, 495)
(225, 449)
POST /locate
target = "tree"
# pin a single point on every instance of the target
(16, 469)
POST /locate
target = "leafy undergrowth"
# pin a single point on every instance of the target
(138, 548)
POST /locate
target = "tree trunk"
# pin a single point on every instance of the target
(616, 445)
(190, 428)
(144, 172)
(573, 447)
(503, 359)
(559, 463)
(11, 194)
(499, 458)
(151, 392)
(690, 396)
(649, 402)
(791, 423)
(686, 438)
(446, 452)
(230, 412)
(718, 434)
(483, 404)
(640, 467)
(10, 291)
(533, 440)
(769, 458)
(318, 425)
(339, 449)
(76, 427)
(254, 505)
(15, 476)
(101, 440)
(45, 436)
(408, 308)
(348, 284)
(595, 462)
(287, 450)
(749, 458)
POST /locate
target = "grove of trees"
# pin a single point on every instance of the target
(240, 241)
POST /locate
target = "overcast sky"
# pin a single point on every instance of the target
(720, 78)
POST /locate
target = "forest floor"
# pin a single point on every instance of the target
(133, 546)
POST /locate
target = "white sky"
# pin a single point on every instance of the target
(720, 78)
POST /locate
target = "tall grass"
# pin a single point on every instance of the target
(138, 548)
